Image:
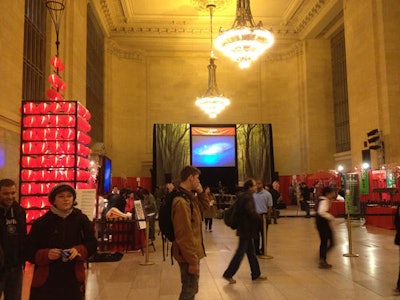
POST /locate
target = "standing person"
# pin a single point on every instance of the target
(211, 212)
(248, 225)
(115, 199)
(263, 203)
(397, 242)
(150, 208)
(58, 244)
(12, 241)
(324, 225)
(276, 198)
(188, 247)
(305, 194)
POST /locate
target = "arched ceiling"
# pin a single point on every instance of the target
(184, 25)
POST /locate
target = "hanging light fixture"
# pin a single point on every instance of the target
(212, 103)
(245, 41)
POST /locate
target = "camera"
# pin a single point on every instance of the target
(65, 254)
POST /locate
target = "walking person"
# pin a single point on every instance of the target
(188, 247)
(59, 243)
(211, 212)
(248, 230)
(12, 241)
(324, 222)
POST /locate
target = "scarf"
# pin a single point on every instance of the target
(61, 213)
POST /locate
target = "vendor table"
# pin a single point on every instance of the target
(120, 235)
(337, 208)
(380, 216)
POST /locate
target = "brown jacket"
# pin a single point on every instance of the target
(188, 245)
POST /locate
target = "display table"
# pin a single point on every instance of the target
(120, 235)
(337, 208)
(380, 216)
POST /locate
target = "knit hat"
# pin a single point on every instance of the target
(60, 188)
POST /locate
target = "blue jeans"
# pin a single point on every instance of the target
(245, 246)
(11, 283)
(190, 283)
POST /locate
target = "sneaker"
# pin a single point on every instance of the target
(261, 278)
(230, 280)
(210, 230)
(324, 265)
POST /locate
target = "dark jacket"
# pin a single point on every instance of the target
(52, 231)
(13, 235)
(249, 219)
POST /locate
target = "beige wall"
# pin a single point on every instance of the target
(373, 63)
(72, 52)
(11, 50)
(292, 93)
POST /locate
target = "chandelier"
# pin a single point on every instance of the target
(245, 41)
(212, 103)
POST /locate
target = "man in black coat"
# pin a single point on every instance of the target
(12, 241)
(248, 225)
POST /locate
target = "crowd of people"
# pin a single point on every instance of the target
(60, 242)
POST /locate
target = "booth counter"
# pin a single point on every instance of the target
(380, 216)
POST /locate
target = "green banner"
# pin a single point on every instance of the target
(390, 179)
(352, 197)
(364, 182)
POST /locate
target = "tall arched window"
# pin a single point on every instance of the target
(340, 95)
(34, 50)
(95, 76)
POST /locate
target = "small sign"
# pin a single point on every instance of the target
(86, 200)
(139, 214)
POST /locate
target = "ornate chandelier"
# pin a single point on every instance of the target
(245, 41)
(212, 103)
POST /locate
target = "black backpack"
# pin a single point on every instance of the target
(165, 217)
(231, 216)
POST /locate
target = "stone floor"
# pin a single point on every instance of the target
(292, 271)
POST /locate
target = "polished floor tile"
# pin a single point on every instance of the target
(292, 271)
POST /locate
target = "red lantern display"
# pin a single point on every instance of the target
(53, 147)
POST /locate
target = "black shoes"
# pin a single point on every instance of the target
(324, 265)
(230, 280)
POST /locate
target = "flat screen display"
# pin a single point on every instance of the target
(213, 146)
(106, 175)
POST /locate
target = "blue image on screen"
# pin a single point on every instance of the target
(213, 151)
(107, 175)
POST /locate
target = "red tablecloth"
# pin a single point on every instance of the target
(380, 216)
(337, 208)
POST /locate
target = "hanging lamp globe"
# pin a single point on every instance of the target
(245, 41)
(212, 102)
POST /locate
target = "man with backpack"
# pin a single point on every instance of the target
(247, 230)
(187, 246)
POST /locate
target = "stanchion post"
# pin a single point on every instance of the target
(350, 254)
(265, 235)
(146, 253)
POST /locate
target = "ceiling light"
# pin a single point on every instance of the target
(245, 41)
(212, 102)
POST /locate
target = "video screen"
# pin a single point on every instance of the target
(213, 146)
(106, 175)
